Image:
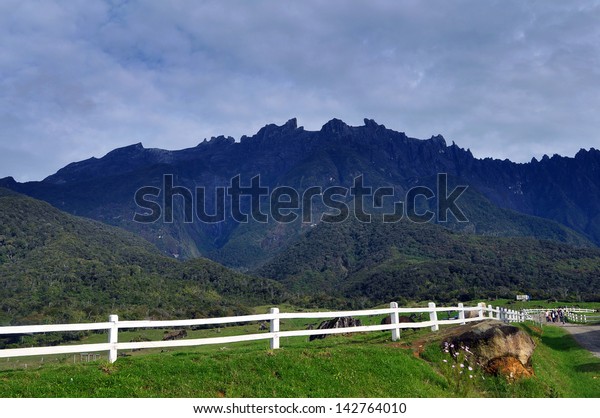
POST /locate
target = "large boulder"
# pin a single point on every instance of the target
(498, 347)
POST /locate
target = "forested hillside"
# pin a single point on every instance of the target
(377, 263)
(55, 267)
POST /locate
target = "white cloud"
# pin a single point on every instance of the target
(507, 79)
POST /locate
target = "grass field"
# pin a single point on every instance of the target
(360, 365)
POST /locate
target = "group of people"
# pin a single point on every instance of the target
(555, 315)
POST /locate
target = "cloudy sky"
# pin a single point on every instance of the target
(507, 79)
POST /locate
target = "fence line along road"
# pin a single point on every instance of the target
(565, 309)
(465, 314)
(580, 315)
(583, 318)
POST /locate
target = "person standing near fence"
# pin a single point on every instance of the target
(561, 316)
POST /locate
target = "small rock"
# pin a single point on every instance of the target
(343, 322)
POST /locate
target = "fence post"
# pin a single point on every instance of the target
(433, 317)
(394, 319)
(490, 312)
(275, 329)
(481, 307)
(113, 337)
(461, 313)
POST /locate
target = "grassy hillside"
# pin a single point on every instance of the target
(56, 267)
(407, 261)
(361, 365)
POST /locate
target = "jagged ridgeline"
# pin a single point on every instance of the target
(55, 267)
(556, 198)
(376, 263)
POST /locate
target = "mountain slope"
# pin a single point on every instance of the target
(55, 267)
(381, 262)
(503, 198)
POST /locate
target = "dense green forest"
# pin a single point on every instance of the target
(55, 267)
(377, 262)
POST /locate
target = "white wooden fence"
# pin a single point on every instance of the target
(565, 309)
(581, 315)
(465, 314)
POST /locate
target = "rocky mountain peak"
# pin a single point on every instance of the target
(272, 130)
(129, 149)
(7, 182)
(438, 140)
(371, 124)
(335, 126)
(221, 140)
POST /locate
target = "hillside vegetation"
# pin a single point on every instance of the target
(377, 263)
(56, 267)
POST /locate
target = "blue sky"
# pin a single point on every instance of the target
(507, 79)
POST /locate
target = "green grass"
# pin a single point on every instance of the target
(563, 368)
(361, 365)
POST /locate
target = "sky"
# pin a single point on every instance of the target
(507, 79)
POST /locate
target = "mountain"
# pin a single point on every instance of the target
(55, 267)
(556, 198)
(376, 262)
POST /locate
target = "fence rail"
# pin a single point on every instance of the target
(565, 309)
(580, 315)
(583, 317)
(465, 314)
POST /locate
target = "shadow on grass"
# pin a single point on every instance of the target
(556, 339)
(560, 343)
(588, 367)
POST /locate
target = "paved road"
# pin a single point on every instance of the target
(588, 336)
